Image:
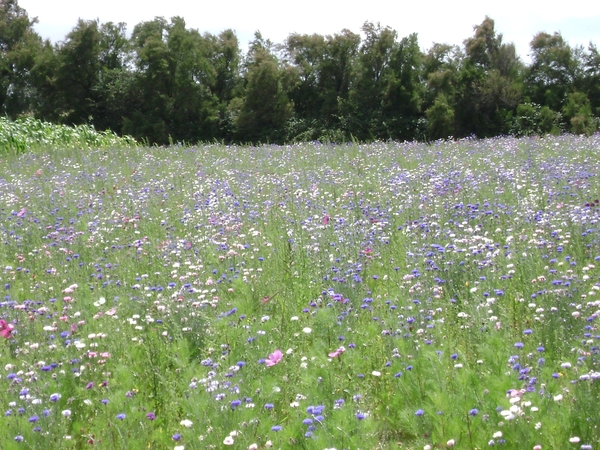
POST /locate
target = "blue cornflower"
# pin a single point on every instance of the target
(419, 412)
(474, 412)
(276, 428)
(121, 416)
(541, 361)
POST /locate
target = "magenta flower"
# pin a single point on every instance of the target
(5, 329)
(337, 353)
(274, 358)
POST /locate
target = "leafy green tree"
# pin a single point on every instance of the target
(264, 109)
(591, 77)
(440, 69)
(79, 72)
(553, 70)
(115, 91)
(306, 54)
(403, 96)
(337, 78)
(225, 58)
(440, 119)
(533, 119)
(19, 45)
(441, 65)
(490, 83)
(193, 110)
(386, 97)
(153, 79)
(86, 78)
(46, 99)
(318, 75)
(372, 70)
(578, 112)
(176, 79)
(549, 121)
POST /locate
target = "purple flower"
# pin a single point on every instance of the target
(151, 416)
(176, 437)
(419, 412)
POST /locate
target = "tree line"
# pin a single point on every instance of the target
(166, 83)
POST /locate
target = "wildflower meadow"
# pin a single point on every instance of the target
(311, 296)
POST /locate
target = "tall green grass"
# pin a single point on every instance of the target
(29, 134)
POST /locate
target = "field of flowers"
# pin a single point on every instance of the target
(306, 296)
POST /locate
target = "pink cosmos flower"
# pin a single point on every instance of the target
(5, 329)
(274, 358)
(337, 353)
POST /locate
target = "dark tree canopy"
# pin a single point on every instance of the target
(166, 82)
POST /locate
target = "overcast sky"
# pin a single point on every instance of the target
(441, 21)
